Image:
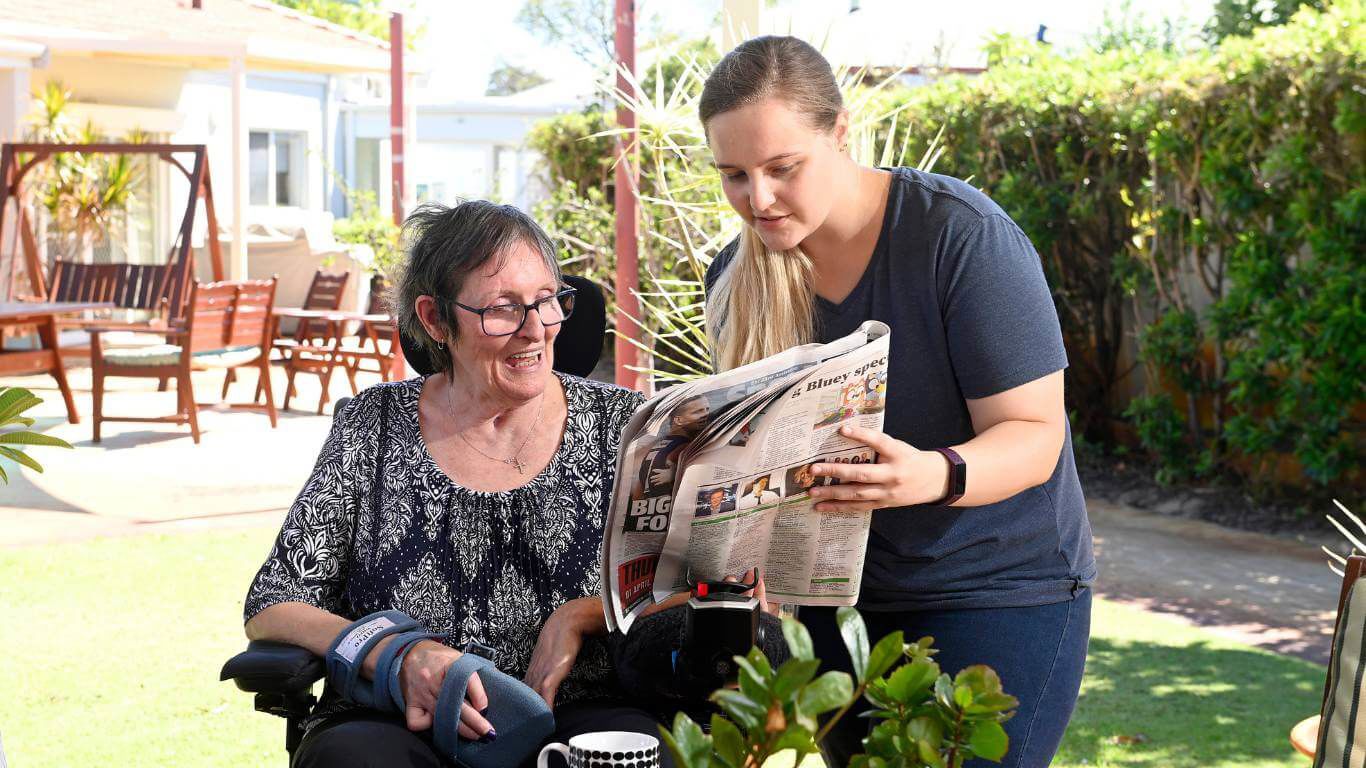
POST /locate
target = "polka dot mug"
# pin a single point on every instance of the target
(606, 749)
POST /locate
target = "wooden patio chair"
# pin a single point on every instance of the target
(307, 348)
(1337, 735)
(227, 325)
(376, 341)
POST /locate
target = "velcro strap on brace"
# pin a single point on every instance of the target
(346, 655)
(388, 687)
(446, 718)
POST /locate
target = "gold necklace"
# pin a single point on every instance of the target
(514, 460)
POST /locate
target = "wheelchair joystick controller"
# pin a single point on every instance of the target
(720, 622)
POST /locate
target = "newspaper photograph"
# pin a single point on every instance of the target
(713, 479)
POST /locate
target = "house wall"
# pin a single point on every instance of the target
(14, 100)
(462, 151)
(294, 103)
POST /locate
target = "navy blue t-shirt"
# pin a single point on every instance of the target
(963, 291)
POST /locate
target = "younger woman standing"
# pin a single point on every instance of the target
(980, 536)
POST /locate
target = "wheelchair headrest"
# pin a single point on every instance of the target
(578, 347)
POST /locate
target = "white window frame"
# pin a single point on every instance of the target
(298, 176)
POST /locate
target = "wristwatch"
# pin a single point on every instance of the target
(958, 476)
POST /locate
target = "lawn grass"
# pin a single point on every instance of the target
(112, 649)
(1159, 692)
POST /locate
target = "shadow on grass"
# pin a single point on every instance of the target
(1198, 704)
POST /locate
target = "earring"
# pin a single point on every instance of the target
(441, 345)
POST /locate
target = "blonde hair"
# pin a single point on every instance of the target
(763, 303)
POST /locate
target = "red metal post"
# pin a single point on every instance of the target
(396, 113)
(628, 222)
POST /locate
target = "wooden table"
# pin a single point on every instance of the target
(335, 353)
(46, 358)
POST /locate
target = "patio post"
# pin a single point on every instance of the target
(237, 259)
(627, 221)
(396, 114)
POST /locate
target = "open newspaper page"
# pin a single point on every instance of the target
(661, 437)
(743, 499)
(652, 446)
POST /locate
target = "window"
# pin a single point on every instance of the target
(367, 166)
(276, 164)
(433, 192)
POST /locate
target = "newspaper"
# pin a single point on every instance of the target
(713, 479)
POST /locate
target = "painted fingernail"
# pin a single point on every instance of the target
(484, 711)
(491, 736)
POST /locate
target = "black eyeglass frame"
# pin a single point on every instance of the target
(564, 292)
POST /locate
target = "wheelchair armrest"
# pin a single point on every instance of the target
(271, 667)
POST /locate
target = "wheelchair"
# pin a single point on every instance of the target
(282, 676)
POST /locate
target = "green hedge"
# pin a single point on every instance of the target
(1213, 205)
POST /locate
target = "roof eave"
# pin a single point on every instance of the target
(257, 53)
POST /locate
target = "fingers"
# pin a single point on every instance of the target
(850, 492)
(472, 724)
(847, 507)
(878, 441)
(761, 592)
(419, 718)
(854, 473)
(474, 693)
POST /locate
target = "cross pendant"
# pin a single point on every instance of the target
(516, 462)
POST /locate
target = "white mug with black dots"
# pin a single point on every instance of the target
(605, 749)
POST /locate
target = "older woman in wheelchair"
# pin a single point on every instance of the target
(443, 558)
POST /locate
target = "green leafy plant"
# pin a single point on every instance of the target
(85, 194)
(923, 717)
(1211, 206)
(368, 225)
(14, 433)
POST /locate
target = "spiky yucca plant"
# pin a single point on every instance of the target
(1337, 562)
(13, 429)
(687, 218)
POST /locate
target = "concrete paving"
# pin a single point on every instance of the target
(144, 477)
(1266, 591)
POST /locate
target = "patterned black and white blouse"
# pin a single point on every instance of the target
(379, 525)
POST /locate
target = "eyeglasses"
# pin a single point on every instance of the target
(507, 319)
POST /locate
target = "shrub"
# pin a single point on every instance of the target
(923, 717)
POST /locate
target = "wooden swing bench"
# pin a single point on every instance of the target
(157, 291)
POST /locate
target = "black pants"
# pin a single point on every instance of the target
(1039, 652)
(369, 739)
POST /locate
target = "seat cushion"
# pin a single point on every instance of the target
(226, 358)
(169, 354)
(152, 354)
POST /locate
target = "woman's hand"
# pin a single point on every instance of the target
(759, 591)
(558, 645)
(423, 672)
(904, 475)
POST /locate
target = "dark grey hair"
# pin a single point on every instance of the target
(442, 246)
